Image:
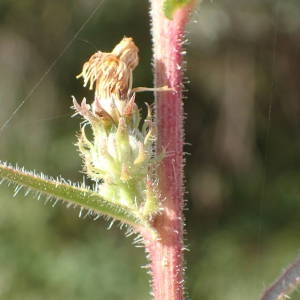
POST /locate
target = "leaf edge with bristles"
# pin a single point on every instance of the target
(71, 193)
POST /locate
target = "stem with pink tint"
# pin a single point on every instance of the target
(165, 253)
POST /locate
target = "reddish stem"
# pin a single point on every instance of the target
(285, 284)
(165, 253)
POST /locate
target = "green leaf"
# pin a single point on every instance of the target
(77, 195)
(170, 6)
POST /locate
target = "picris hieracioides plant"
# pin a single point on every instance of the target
(117, 148)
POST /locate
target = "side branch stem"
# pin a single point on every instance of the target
(285, 284)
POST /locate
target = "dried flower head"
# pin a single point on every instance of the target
(111, 72)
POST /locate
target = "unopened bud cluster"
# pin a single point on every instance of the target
(119, 152)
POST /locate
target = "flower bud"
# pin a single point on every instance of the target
(119, 154)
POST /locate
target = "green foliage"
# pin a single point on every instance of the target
(170, 6)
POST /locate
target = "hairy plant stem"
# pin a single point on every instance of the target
(285, 284)
(165, 253)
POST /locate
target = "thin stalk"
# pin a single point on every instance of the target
(165, 254)
(285, 284)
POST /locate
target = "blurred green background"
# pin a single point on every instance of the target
(242, 133)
